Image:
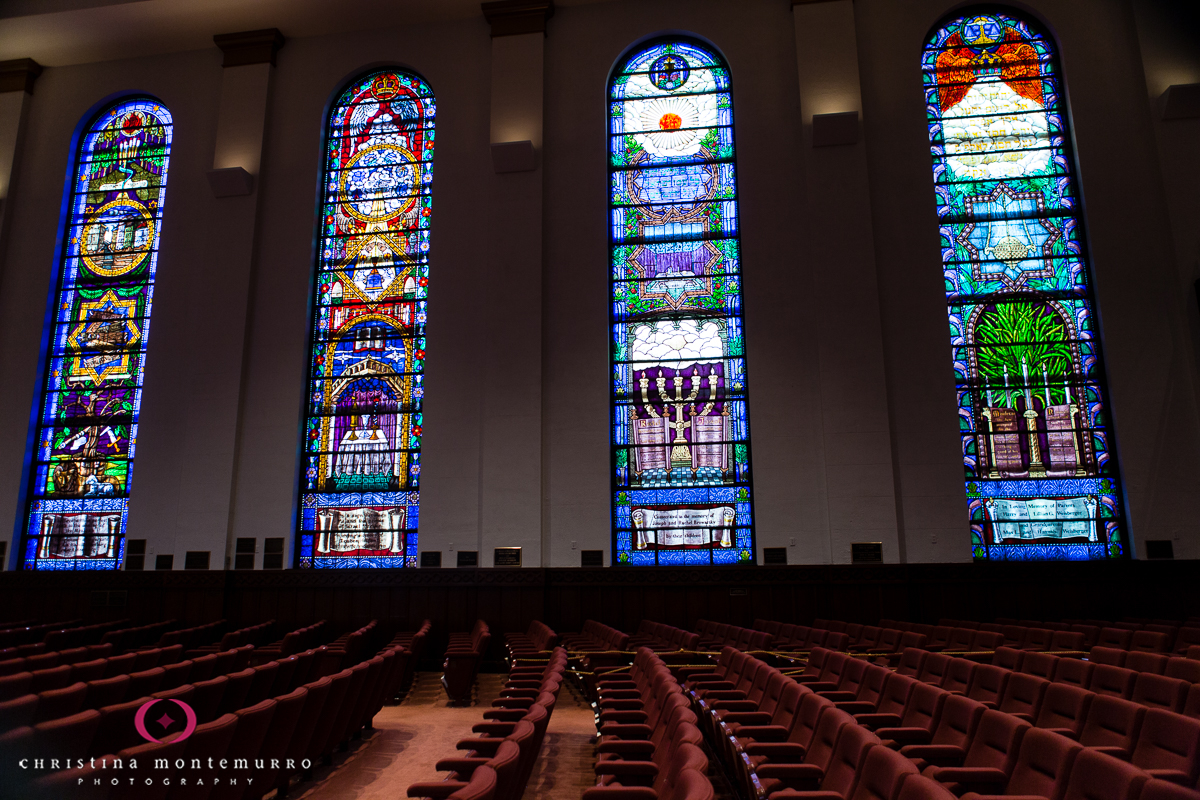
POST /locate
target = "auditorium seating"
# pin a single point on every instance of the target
(509, 739)
(596, 636)
(713, 635)
(464, 654)
(414, 643)
(661, 638)
(537, 639)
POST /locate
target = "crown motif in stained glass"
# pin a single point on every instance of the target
(385, 86)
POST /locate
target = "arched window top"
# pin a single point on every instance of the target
(681, 439)
(78, 496)
(1041, 476)
(360, 472)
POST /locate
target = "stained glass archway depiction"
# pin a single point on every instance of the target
(359, 495)
(78, 497)
(681, 438)
(1041, 474)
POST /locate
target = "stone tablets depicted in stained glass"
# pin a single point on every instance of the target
(80, 478)
(681, 439)
(1041, 477)
(359, 495)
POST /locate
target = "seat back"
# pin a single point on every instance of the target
(236, 690)
(809, 717)
(1068, 640)
(1096, 776)
(883, 772)
(1113, 681)
(958, 676)
(1044, 765)
(996, 742)
(824, 738)
(1039, 664)
(912, 658)
(895, 694)
(1117, 638)
(934, 668)
(1113, 656)
(1150, 641)
(1159, 691)
(1074, 671)
(924, 707)
(56, 703)
(1169, 741)
(1023, 695)
(842, 772)
(1183, 668)
(1036, 639)
(1112, 722)
(1065, 708)
(918, 787)
(1009, 658)
(988, 684)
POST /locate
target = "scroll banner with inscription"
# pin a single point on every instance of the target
(1043, 518)
(684, 527)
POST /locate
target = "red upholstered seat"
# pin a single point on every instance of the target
(209, 740)
(880, 777)
(956, 727)
(957, 678)
(1143, 661)
(1191, 707)
(1112, 725)
(1159, 691)
(13, 686)
(1064, 709)
(1113, 681)
(146, 782)
(1183, 668)
(1040, 664)
(1023, 696)
(934, 668)
(988, 683)
(1150, 641)
(1097, 776)
(921, 716)
(1036, 639)
(18, 712)
(1043, 767)
(63, 702)
(1157, 789)
(840, 775)
(1168, 747)
(116, 730)
(911, 661)
(1068, 640)
(236, 689)
(52, 678)
(88, 670)
(1074, 671)
(145, 682)
(1116, 638)
(1008, 658)
(990, 758)
(247, 742)
(918, 787)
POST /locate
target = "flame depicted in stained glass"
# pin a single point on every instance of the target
(360, 474)
(681, 438)
(78, 497)
(1041, 477)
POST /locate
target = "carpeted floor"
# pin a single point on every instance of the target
(410, 738)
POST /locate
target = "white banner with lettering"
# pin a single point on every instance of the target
(674, 527)
(1043, 518)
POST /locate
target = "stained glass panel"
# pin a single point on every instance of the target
(78, 496)
(680, 434)
(359, 484)
(1037, 444)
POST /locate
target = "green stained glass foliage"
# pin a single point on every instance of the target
(1037, 442)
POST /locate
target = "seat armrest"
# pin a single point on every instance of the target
(746, 718)
(779, 752)
(615, 715)
(627, 748)
(839, 696)
(904, 736)
(874, 721)
(734, 705)
(763, 733)
(1171, 775)
(435, 789)
(463, 766)
(626, 731)
(971, 776)
(938, 755)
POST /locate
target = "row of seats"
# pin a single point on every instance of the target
(496, 764)
(349, 648)
(35, 661)
(595, 637)
(31, 633)
(791, 740)
(276, 725)
(58, 639)
(109, 684)
(414, 642)
(717, 634)
(661, 637)
(1155, 639)
(649, 745)
(256, 635)
(130, 638)
(946, 637)
(539, 638)
(464, 653)
(1182, 634)
(195, 636)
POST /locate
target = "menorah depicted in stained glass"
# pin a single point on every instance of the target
(359, 496)
(1041, 477)
(80, 478)
(681, 440)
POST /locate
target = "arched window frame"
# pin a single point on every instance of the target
(86, 421)
(1042, 477)
(715, 510)
(369, 309)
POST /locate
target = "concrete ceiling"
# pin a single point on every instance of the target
(60, 32)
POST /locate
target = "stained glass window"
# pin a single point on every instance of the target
(360, 474)
(681, 437)
(78, 497)
(1037, 441)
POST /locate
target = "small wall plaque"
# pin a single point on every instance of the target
(591, 558)
(775, 555)
(866, 552)
(468, 558)
(507, 557)
(431, 558)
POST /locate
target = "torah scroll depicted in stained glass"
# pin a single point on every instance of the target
(78, 497)
(361, 466)
(1041, 477)
(681, 440)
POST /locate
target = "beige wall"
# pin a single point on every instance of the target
(852, 404)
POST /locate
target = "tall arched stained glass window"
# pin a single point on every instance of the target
(87, 424)
(681, 438)
(360, 471)
(1041, 474)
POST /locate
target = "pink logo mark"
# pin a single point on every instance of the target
(165, 721)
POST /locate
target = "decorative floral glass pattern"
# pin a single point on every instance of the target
(681, 439)
(361, 467)
(78, 497)
(1041, 475)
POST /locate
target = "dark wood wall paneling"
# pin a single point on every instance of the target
(564, 598)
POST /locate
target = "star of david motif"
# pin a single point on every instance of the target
(675, 272)
(376, 266)
(1008, 236)
(107, 330)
